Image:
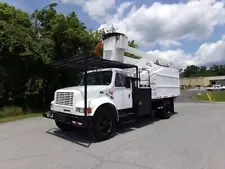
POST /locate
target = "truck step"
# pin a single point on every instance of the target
(126, 115)
(126, 118)
(127, 121)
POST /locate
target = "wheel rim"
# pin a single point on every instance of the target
(105, 125)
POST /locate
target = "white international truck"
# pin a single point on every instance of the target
(115, 89)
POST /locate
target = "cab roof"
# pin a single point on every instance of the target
(78, 63)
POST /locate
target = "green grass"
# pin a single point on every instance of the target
(218, 96)
(15, 113)
(19, 117)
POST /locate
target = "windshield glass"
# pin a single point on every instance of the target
(99, 78)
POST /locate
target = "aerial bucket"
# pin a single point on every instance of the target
(114, 46)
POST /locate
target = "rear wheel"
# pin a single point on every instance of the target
(103, 124)
(63, 126)
(166, 109)
(165, 113)
(172, 109)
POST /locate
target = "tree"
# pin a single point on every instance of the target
(133, 45)
(22, 55)
(112, 29)
(203, 69)
(190, 70)
(69, 34)
(71, 39)
(195, 71)
(26, 54)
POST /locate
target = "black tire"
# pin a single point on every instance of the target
(158, 114)
(63, 126)
(172, 109)
(103, 124)
(167, 109)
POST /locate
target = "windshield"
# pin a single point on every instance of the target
(99, 78)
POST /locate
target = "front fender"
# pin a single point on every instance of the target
(96, 103)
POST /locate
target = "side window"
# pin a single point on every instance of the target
(122, 81)
(118, 81)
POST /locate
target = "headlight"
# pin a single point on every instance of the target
(80, 110)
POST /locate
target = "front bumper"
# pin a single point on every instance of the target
(79, 121)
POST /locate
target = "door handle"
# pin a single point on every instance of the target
(129, 96)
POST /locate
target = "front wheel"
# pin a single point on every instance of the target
(103, 125)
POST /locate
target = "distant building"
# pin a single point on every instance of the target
(202, 81)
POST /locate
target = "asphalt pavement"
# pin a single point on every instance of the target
(187, 96)
(193, 138)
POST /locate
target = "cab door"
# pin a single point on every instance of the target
(127, 93)
(123, 92)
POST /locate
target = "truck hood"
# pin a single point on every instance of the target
(81, 88)
(92, 91)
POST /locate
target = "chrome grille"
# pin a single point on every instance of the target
(64, 98)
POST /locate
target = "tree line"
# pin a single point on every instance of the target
(202, 71)
(28, 48)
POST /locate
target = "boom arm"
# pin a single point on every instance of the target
(147, 56)
(115, 44)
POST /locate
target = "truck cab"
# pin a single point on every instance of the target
(109, 91)
(111, 86)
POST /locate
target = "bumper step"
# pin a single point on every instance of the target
(79, 121)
